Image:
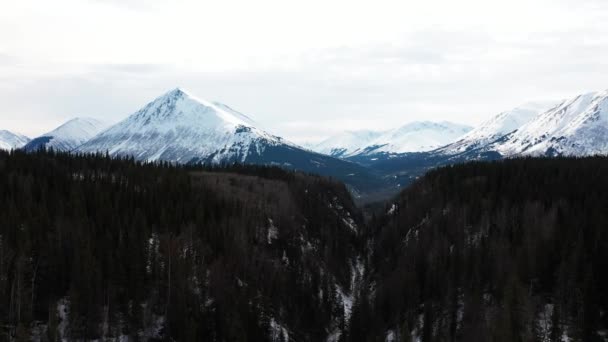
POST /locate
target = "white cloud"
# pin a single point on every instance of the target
(303, 69)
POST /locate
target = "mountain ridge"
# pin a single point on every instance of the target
(68, 136)
(10, 140)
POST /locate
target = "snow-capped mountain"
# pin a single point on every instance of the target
(11, 141)
(576, 127)
(179, 127)
(68, 136)
(346, 143)
(414, 137)
(497, 126)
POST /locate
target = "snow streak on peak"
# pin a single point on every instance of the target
(11, 141)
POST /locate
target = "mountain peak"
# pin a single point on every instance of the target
(578, 126)
(177, 92)
(181, 127)
(179, 107)
(497, 127)
(69, 135)
(78, 127)
(10, 140)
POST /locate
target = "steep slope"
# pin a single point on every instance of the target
(68, 136)
(178, 127)
(576, 127)
(11, 141)
(496, 127)
(346, 143)
(514, 250)
(414, 137)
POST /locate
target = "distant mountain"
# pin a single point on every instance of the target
(67, 136)
(573, 127)
(496, 127)
(346, 143)
(414, 137)
(11, 141)
(179, 127)
(576, 127)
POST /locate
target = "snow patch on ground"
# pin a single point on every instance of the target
(63, 312)
(278, 332)
(273, 232)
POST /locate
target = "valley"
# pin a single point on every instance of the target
(100, 248)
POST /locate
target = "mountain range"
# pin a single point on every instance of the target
(179, 127)
(577, 126)
(496, 127)
(417, 136)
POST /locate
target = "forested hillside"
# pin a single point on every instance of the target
(96, 248)
(107, 249)
(515, 250)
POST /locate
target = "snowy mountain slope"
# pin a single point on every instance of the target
(414, 137)
(11, 141)
(576, 127)
(496, 127)
(179, 127)
(346, 142)
(68, 136)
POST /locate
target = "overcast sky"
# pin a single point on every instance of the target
(302, 69)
